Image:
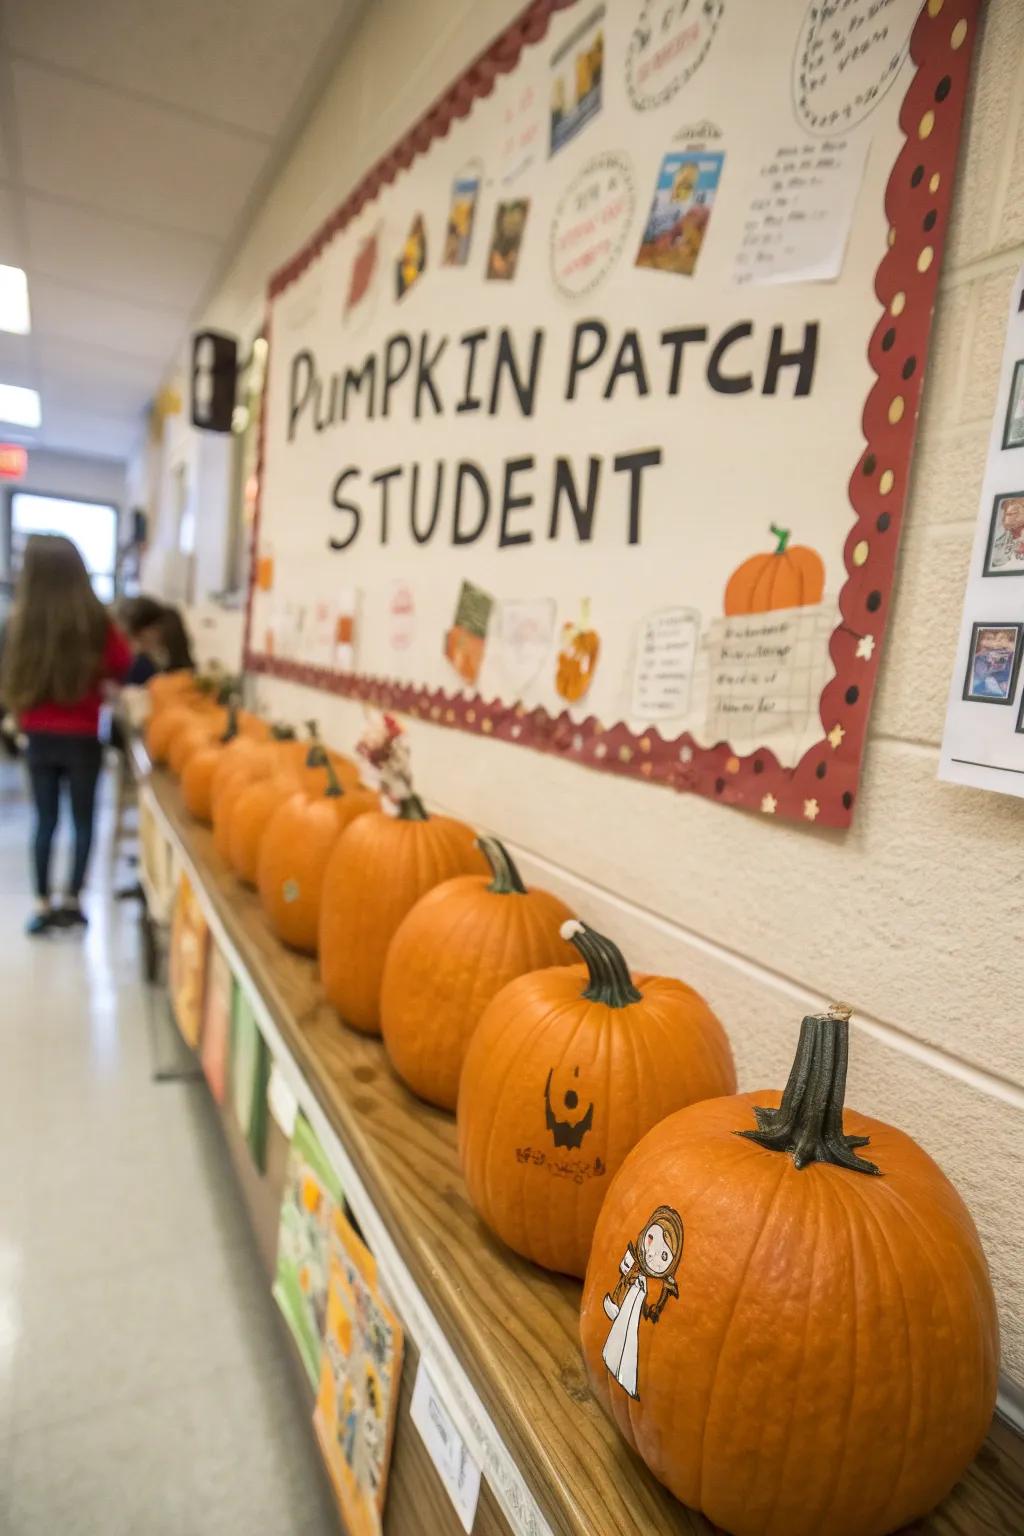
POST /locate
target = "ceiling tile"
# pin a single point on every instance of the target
(17, 363)
(76, 431)
(72, 376)
(62, 310)
(118, 257)
(240, 61)
(11, 251)
(122, 156)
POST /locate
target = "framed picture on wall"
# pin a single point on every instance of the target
(1013, 431)
(1004, 553)
(993, 662)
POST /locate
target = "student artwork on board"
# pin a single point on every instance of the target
(507, 240)
(1005, 553)
(577, 71)
(677, 223)
(993, 664)
(1013, 430)
(461, 215)
(646, 1284)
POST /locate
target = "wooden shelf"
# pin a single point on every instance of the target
(512, 1327)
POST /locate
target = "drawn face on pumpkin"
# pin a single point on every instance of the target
(563, 1116)
(657, 1253)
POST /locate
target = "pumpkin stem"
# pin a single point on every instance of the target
(231, 730)
(334, 790)
(782, 534)
(412, 809)
(316, 756)
(808, 1123)
(610, 981)
(507, 879)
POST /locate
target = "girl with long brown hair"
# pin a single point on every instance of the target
(60, 648)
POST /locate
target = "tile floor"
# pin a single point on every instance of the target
(144, 1384)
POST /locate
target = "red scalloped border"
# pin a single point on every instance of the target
(822, 787)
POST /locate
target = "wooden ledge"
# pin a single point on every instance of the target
(513, 1327)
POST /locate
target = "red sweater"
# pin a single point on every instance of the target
(82, 718)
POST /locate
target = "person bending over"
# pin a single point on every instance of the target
(60, 649)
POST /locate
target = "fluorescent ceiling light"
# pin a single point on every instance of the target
(20, 406)
(14, 314)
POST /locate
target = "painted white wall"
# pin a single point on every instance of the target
(913, 916)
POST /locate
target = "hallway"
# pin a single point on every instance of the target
(144, 1385)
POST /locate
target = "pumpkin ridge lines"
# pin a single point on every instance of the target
(897, 1272)
(927, 1245)
(794, 1390)
(784, 1167)
(839, 1461)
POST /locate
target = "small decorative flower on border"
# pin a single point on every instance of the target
(811, 809)
(835, 736)
(769, 804)
(865, 647)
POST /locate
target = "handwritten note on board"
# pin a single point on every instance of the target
(666, 652)
(800, 213)
(767, 671)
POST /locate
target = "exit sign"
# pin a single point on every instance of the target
(13, 461)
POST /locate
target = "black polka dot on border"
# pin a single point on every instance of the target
(758, 765)
(888, 339)
(943, 88)
(929, 219)
(821, 770)
(883, 522)
(909, 366)
(852, 694)
(874, 602)
(847, 800)
(719, 786)
(918, 176)
(870, 464)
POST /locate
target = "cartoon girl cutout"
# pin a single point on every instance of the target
(654, 1261)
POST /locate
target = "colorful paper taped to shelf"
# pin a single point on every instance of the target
(187, 967)
(360, 1374)
(250, 1070)
(312, 1194)
(216, 1040)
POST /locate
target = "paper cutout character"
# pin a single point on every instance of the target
(411, 263)
(653, 1263)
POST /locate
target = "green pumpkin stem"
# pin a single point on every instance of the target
(281, 732)
(231, 729)
(610, 981)
(808, 1124)
(412, 809)
(334, 790)
(507, 879)
(316, 756)
(782, 534)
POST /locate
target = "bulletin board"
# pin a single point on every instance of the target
(589, 413)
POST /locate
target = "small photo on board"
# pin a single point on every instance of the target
(461, 213)
(412, 262)
(677, 223)
(1004, 554)
(993, 663)
(577, 70)
(1013, 431)
(507, 240)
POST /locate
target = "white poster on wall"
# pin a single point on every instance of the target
(983, 743)
(599, 497)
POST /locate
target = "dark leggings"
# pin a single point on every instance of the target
(51, 759)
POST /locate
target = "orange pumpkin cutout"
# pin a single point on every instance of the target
(565, 1072)
(826, 1353)
(453, 953)
(577, 658)
(294, 851)
(379, 869)
(792, 576)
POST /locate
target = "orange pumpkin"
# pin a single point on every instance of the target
(294, 851)
(453, 953)
(577, 658)
(197, 774)
(826, 1352)
(208, 726)
(248, 818)
(789, 577)
(567, 1069)
(378, 870)
(168, 688)
(166, 723)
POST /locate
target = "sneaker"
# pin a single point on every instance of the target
(39, 922)
(69, 916)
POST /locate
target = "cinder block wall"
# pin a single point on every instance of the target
(916, 915)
